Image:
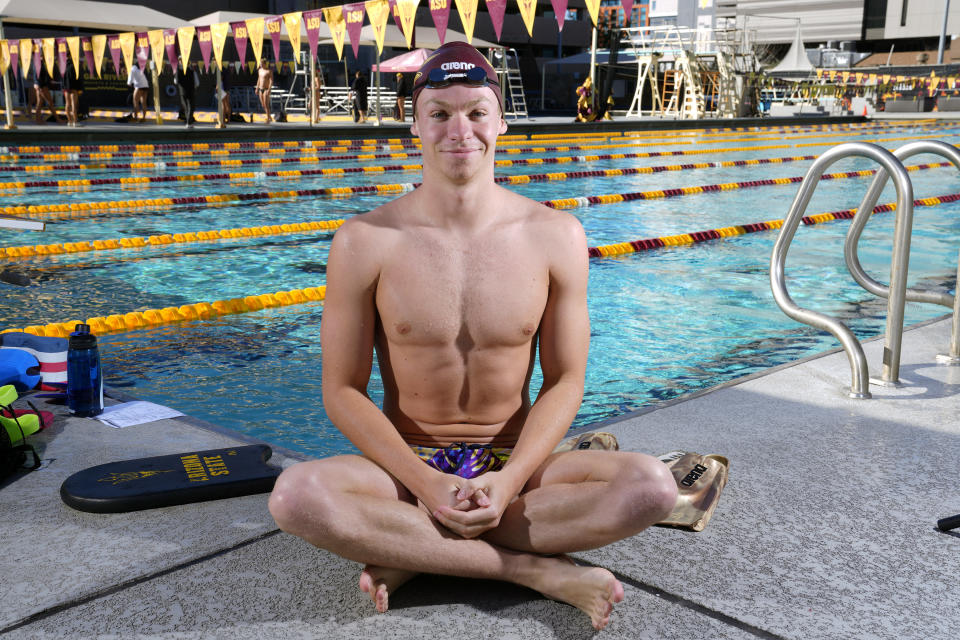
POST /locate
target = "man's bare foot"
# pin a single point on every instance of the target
(380, 582)
(593, 590)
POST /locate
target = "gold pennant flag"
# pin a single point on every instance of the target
(252, 66)
(593, 6)
(157, 47)
(468, 16)
(99, 45)
(408, 13)
(292, 22)
(49, 53)
(819, 73)
(255, 31)
(333, 16)
(218, 36)
(4, 56)
(73, 45)
(528, 9)
(859, 77)
(886, 78)
(378, 11)
(185, 40)
(127, 42)
(26, 52)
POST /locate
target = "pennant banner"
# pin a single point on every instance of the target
(87, 45)
(338, 27)
(440, 12)
(559, 10)
(170, 45)
(627, 10)
(218, 34)
(114, 43)
(4, 56)
(312, 19)
(73, 46)
(528, 8)
(292, 22)
(206, 45)
(143, 50)
(26, 52)
(62, 56)
(155, 37)
(468, 16)
(49, 46)
(37, 57)
(593, 7)
(496, 9)
(240, 38)
(185, 41)
(127, 43)
(273, 24)
(354, 17)
(378, 11)
(255, 31)
(407, 10)
(14, 47)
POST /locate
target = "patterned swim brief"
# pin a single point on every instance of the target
(464, 460)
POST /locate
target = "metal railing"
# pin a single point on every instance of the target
(852, 259)
(859, 386)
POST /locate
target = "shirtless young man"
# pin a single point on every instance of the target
(456, 285)
(264, 84)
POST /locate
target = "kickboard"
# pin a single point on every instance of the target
(163, 481)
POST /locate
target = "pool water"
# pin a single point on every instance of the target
(664, 323)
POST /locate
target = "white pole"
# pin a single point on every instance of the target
(379, 121)
(943, 31)
(593, 66)
(6, 93)
(219, 91)
(313, 91)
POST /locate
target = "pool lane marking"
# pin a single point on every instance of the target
(321, 144)
(195, 164)
(88, 209)
(118, 323)
(614, 198)
(310, 152)
(298, 173)
(634, 246)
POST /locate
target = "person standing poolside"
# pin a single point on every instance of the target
(138, 80)
(187, 81)
(359, 89)
(401, 97)
(72, 88)
(42, 84)
(264, 84)
(455, 287)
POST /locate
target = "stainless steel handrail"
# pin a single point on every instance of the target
(850, 247)
(859, 386)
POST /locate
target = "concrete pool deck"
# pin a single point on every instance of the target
(826, 530)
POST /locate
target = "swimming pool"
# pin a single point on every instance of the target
(664, 322)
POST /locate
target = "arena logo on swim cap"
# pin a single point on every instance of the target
(457, 66)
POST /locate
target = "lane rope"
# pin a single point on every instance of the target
(88, 209)
(118, 323)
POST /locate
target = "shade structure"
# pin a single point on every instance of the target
(796, 58)
(87, 15)
(404, 63)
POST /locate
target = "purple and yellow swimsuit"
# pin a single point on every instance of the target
(464, 460)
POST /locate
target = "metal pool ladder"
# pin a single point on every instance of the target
(896, 293)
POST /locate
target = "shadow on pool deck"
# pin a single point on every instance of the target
(826, 530)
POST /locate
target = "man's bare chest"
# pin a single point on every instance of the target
(433, 295)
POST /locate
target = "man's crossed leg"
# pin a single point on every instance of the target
(576, 500)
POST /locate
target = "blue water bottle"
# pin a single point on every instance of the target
(84, 376)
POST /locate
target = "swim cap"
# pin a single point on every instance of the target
(452, 63)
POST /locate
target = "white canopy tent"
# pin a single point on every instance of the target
(87, 15)
(796, 58)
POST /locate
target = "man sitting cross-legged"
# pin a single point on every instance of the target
(455, 286)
